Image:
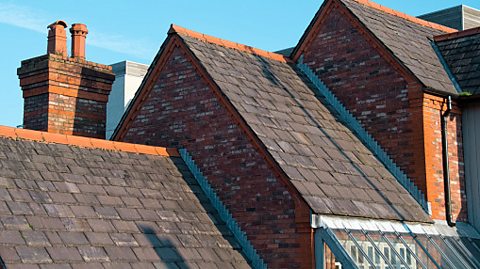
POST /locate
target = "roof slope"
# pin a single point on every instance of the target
(329, 166)
(409, 41)
(462, 55)
(79, 207)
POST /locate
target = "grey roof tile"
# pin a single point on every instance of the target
(117, 253)
(64, 254)
(56, 266)
(11, 238)
(33, 254)
(462, 55)
(9, 254)
(78, 219)
(35, 239)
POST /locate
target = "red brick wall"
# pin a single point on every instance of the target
(433, 109)
(374, 92)
(182, 111)
(76, 116)
(64, 95)
(35, 112)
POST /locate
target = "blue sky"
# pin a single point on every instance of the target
(134, 30)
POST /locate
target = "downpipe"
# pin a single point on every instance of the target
(445, 160)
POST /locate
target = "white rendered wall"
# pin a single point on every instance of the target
(128, 77)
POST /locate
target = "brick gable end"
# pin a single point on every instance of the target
(373, 91)
(389, 103)
(182, 111)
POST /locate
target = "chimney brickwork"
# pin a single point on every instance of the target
(66, 95)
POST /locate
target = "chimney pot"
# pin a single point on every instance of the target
(57, 38)
(79, 33)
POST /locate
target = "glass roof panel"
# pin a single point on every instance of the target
(379, 250)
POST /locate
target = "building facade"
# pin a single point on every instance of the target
(354, 149)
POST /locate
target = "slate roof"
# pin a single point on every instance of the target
(462, 55)
(333, 171)
(409, 41)
(69, 207)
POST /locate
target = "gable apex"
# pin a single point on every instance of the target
(404, 41)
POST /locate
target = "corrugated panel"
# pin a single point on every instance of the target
(471, 143)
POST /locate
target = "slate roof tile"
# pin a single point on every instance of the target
(117, 219)
(462, 55)
(303, 136)
(33, 254)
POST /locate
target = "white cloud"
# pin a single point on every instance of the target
(22, 17)
(37, 20)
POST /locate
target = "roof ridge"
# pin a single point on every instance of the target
(84, 142)
(405, 16)
(464, 33)
(228, 44)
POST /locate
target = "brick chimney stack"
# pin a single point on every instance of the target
(79, 35)
(66, 95)
(57, 38)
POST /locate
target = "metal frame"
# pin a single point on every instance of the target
(387, 261)
(465, 250)
(225, 215)
(457, 255)
(437, 247)
(424, 251)
(355, 242)
(392, 247)
(352, 123)
(423, 241)
(325, 235)
(411, 252)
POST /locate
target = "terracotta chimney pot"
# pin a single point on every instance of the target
(57, 38)
(79, 33)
